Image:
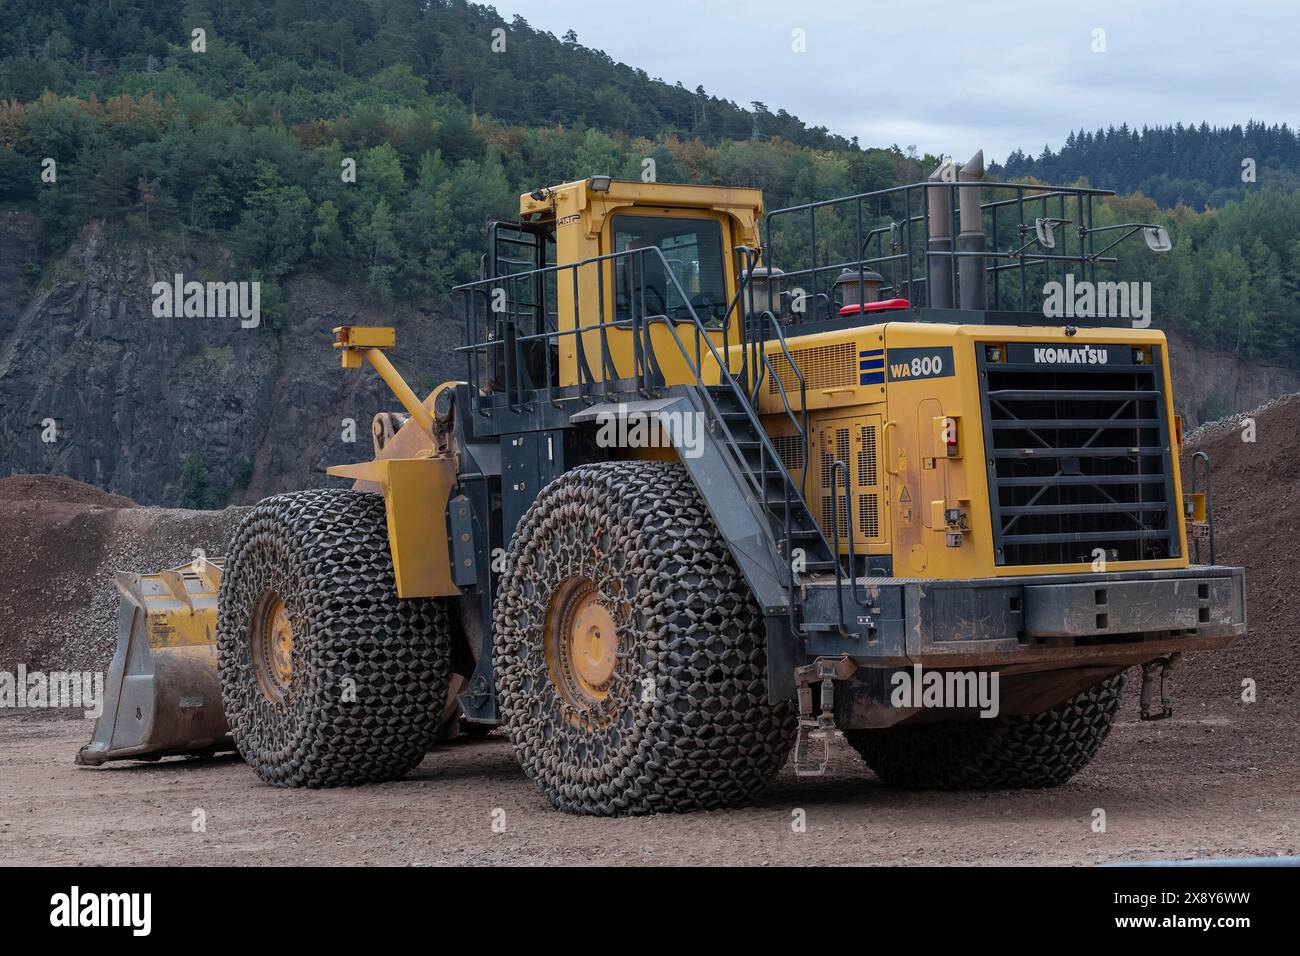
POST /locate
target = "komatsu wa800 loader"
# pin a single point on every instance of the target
(719, 484)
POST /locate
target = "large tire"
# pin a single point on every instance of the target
(1001, 753)
(684, 723)
(369, 670)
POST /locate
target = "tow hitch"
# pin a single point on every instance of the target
(1149, 680)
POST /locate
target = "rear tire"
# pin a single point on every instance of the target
(355, 692)
(659, 703)
(1002, 753)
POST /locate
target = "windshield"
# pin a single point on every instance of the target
(693, 250)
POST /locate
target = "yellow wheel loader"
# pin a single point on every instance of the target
(718, 485)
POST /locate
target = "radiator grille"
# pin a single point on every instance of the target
(829, 514)
(841, 454)
(824, 366)
(856, 444)
(1078, 457)
(867, 457)
(869, 516)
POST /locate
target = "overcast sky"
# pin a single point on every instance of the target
(955, 77)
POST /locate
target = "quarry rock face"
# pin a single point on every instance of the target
(128, 398)
(1210, 383)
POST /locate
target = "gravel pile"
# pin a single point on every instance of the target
(59, 488)
(1206, 431)
(1256, 501)
(58, 603)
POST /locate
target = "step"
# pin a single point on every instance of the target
(777, 500)
(819, 566)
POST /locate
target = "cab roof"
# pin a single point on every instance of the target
(581, 198)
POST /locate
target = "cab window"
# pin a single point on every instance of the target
(692, 249)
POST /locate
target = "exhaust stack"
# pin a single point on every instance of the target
(939, 207)
(971, 275)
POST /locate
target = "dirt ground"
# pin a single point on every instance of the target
(1210, 782)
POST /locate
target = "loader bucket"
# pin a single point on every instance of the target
(162, 695)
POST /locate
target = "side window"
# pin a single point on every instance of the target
(692, 280)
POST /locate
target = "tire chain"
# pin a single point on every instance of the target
(1011, 753)
(326, 554)
(686, 622)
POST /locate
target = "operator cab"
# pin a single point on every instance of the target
(601, 281)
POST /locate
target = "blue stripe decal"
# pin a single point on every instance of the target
(870, 353)
(866, 364)
(872, 378)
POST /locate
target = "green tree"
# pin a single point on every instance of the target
(598, 153)
(383, 254)
(380, 175)
(327, 242)
(273, 228)
(195, 489)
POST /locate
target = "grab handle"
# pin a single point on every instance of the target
(889, 450)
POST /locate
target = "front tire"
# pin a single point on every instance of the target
(328, 678)
(1002, 753)
(630, 655)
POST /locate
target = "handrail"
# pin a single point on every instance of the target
(838, 466)
(767, 451)
(913, 263)
(484, 285)
(785, 400)
(928, 184)
(1203, 458)
(766, 448)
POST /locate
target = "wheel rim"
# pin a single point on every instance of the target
(272, 641)
(582, 643)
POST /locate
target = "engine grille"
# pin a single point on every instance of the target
(854, 442)
(1078, 457)
(822, 366)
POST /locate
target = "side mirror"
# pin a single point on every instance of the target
(1157, 238)
(1045, 229)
